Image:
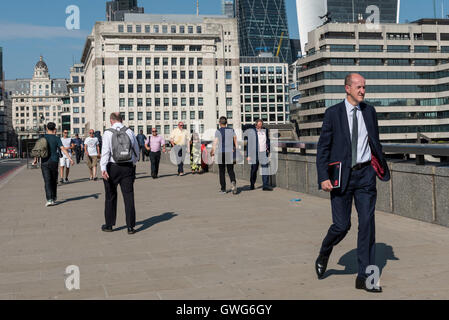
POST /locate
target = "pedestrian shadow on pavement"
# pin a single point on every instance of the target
(148, 223)
(73, 181)
(384, 253)
(95, 195)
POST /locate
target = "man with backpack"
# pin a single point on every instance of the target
(118, 166)
(46, 148)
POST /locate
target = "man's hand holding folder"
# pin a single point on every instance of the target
(334, 177)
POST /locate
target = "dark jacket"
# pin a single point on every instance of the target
(251, 138)
(335, 143)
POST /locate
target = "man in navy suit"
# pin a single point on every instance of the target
(350, 135)
(258, 149)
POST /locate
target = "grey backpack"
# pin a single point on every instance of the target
(121, 145)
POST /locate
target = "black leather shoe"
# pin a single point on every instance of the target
(360, 283)
(131, 231)
(267, 189)
(105, 228)
(251, 187)
(321, 265)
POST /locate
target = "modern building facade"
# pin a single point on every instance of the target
(227, 8)
(264, 90)
(116, 10)
(76, 116)
(37, 101)
(263, 27)
(311, 13)
(158, 70)
(407, 72)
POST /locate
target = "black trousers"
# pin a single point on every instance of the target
(142, 151)
(78, 154)
(123, 174)
(227, 162)
(262, 159)
(361, 188)
(50, 174)
(155, 158)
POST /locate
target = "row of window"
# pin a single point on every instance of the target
(166, 88)
(258, 70)
(262, 98)
(159, 47)
(379, 89)
(157, 74)
(160, 61)
(380, 48)
(263, 89)
(372, 61)
(403, 75)
(139, 102)
(379, 36)
(395, 102)
(174, 115)
(264, 108)
(262, 79)
(159, 29)
(265, 117)
(168, 128)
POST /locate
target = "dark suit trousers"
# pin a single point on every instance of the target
(227, 162)
(50, 175)
(361, 187)
(262, 159)
(155, 158)
(123, 174)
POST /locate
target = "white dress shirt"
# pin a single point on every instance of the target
(262, 137)
(363, 148)
(106, 149)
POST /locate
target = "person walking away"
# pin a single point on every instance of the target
(153, 144)
(141, 140)
(179, 140)
(65, 162)
(225, 144)
(119, 157)
(92, 150)
(49, 163)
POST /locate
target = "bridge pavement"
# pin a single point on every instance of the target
(194, 243)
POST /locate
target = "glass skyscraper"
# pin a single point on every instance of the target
(262, 27)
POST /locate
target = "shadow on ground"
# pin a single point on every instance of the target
(95, 195)
(384, 253)
(148, 223)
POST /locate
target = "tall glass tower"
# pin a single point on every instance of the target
(116, 9)
(263, 27)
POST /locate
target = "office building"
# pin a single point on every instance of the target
(37, 101)
(263, 28)
(311, 13)
(406, 67)
(228, 8)
(264, 90)
(160, 69)
(74, 119)
(116, 10)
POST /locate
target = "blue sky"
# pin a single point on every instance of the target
(30, 28)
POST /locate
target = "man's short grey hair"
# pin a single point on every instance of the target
(259, 120)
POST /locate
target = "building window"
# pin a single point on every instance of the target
(131, 116)
(129, 28)
(160, 47)
(190, 29)
(181, 29)
(120, 28)
(149, 115)
(173, 29)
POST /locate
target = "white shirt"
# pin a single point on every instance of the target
(363, 149)
(92, 144)
(262, 137)
(106, 149)
(66, 142)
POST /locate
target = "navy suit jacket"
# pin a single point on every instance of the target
(335, 144)
(255, 139)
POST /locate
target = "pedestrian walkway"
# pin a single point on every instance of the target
(193, 243)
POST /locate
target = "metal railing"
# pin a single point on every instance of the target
(390, 149)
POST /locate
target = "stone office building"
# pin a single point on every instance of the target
(160, 69)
